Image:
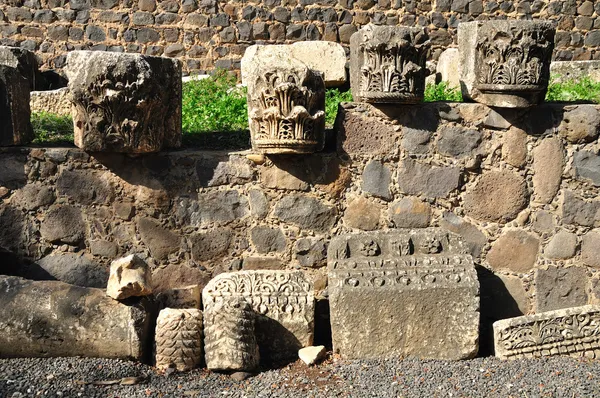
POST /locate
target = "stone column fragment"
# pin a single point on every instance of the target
(15, 114)
(403, 292)
(283, 302)
(387, 64)
(286, 104)
(230, 342)
(55, 319)
(124, 102)
(179, 339)
(506, 63)
(573, 332)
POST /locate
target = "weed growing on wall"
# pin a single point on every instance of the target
(51, 128)
(584, 89)
(214, 104)
(442, 92)
(333, 97)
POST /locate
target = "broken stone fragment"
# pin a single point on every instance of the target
(15, 114)
(55, 319)
(286, 104)
(230, 342)
(312, 355)
(129, 276)
(387, 64)
(506, 63)
(124, 102)
(570, 332)
(24, 61)
(179, 339)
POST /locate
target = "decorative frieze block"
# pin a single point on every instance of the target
(15, 114)
(506, 63)
(387, 64)
(571, 332)
(283, 302)
(403, 292)
(230, 342)
(179, 339)
(124, 102)
(286, 104)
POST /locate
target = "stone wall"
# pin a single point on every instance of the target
(520, 186)
(207, 33)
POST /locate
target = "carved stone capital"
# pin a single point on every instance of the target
(286, 103)
(387, 64)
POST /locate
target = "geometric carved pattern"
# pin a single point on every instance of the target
(179, 339)
(403, 292)
(230, 342)
(570, 332)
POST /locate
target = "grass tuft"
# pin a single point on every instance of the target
(333, 97)
(585, 89)
(51, 128)
(442, 92)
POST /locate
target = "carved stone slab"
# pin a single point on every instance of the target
(230, 342)
(179, 339)
(506, 63)
(283, 302)
(387, 64)
(124, 102)
(286, 104)
(571, 332)
(15, 114)
(55, 319)
(403, 292)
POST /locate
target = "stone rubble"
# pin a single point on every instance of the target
(129, 277)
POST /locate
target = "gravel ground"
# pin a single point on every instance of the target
(482, 377)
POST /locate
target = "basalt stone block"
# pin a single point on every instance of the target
(55, 319)
(283, 302)
(387, 64)
(506, 63)
(403, 292)
(230, 342)
(571, 332)
(124, 102)
(286, 104)
(179, 339)
(15, 114)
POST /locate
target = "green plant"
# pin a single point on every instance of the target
(333, 97)
(442, 92)
(214, 104)
(51, 128)
(584, 89)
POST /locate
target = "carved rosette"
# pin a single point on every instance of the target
(571, 332)
(286, 103)
(387, 64)
(512, 64)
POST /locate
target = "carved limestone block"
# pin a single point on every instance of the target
(286, 104)
(571, 332)
(403, 292)
(179, 339)
(387, 64)
(283, 302)
(15, 114)
(56, 319)
(124, 102)
(129, 276)
(230, 342)
(506, 63)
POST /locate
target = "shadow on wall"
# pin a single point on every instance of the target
(496, 303)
